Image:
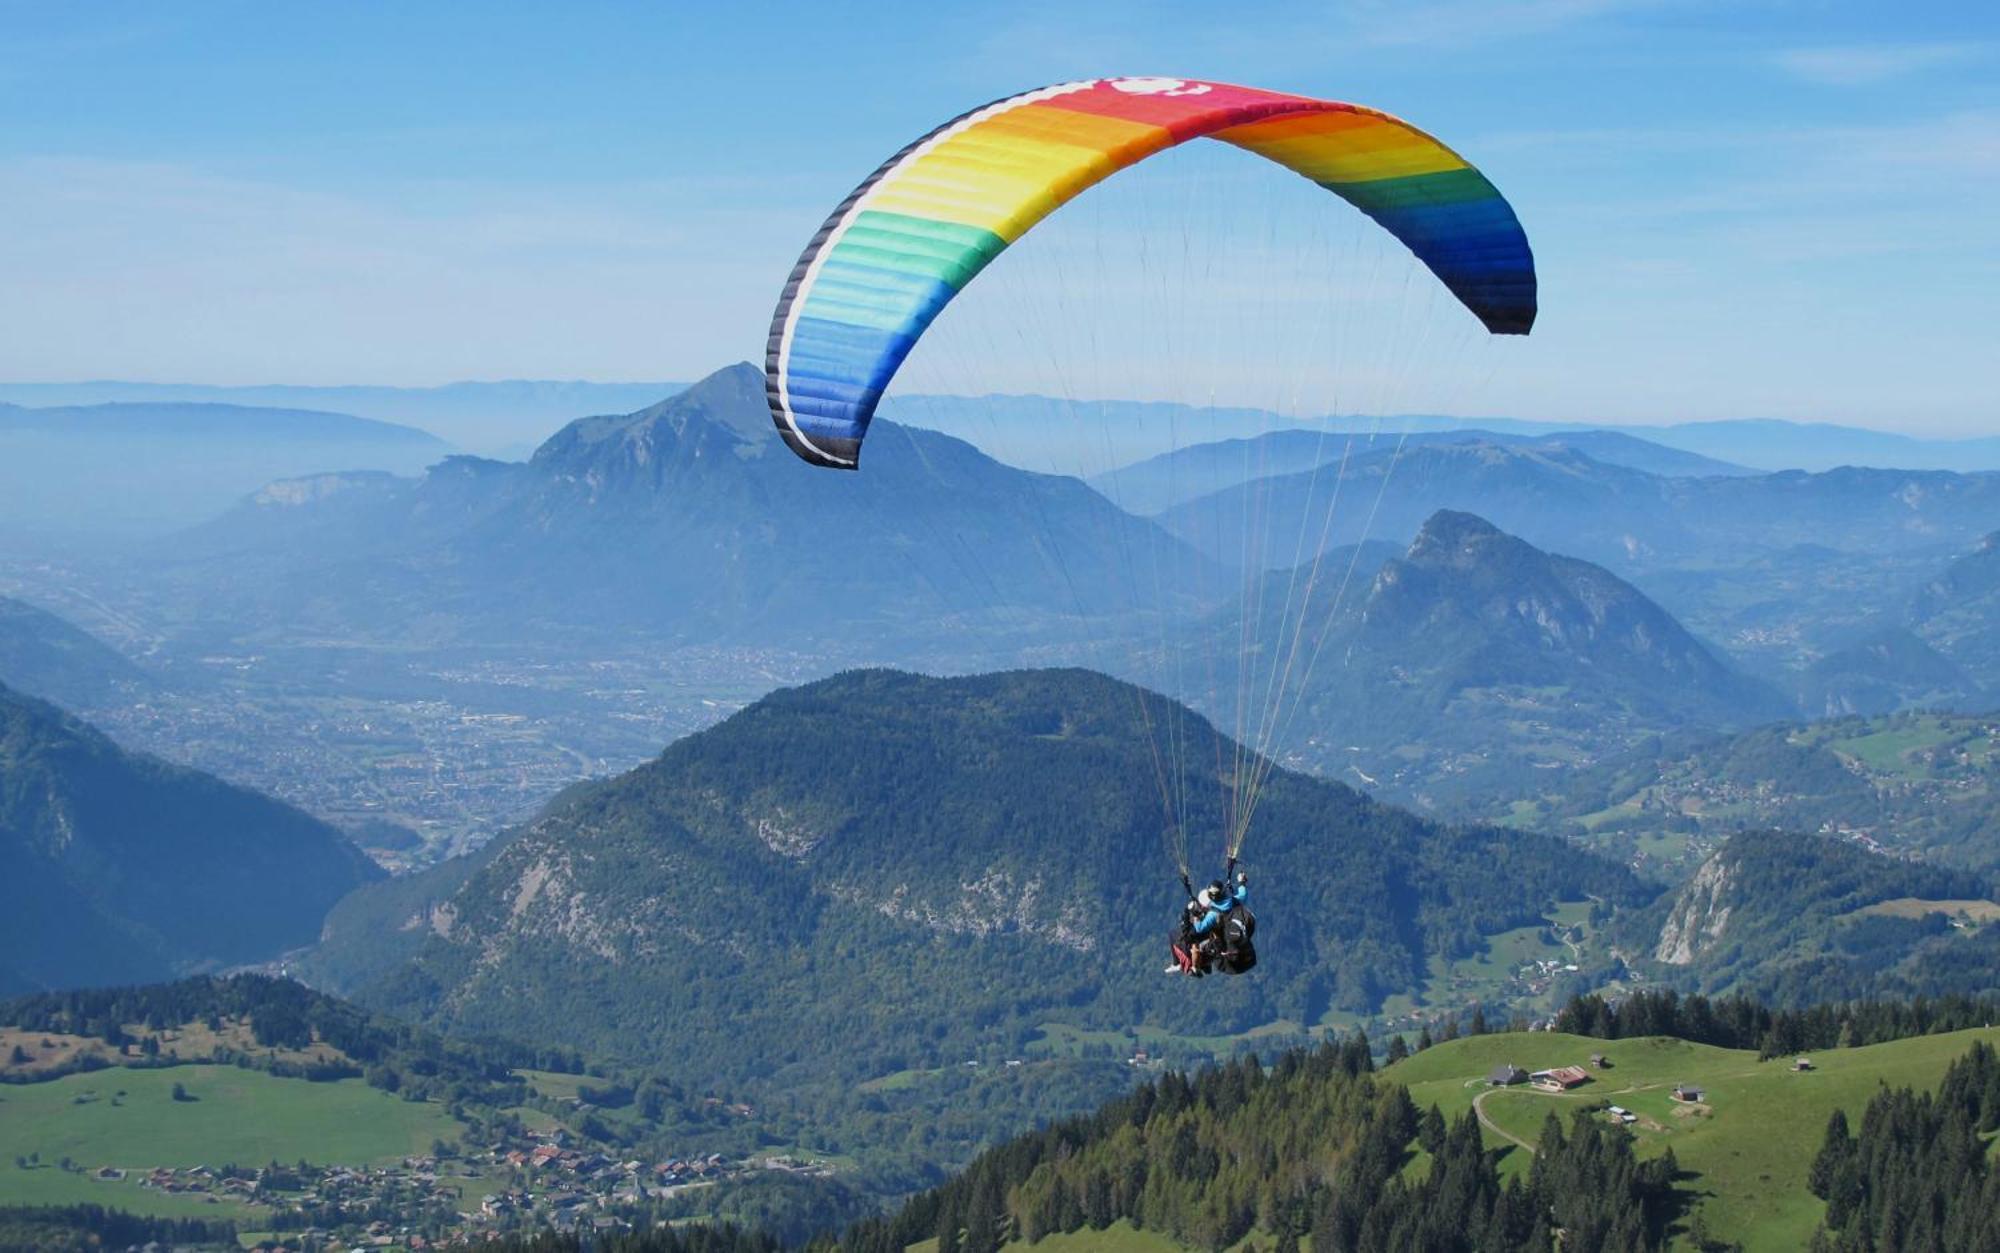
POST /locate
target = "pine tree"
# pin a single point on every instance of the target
(1836, 1147)
(1431, 1131)
(982, 1218)
(949, 1223)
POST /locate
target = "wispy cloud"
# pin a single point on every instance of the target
(1865, 65)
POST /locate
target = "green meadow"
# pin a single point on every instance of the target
(1744, 1150)
(236, 1116)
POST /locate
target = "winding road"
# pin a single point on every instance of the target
(1479, 1110)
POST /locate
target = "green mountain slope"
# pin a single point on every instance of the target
(45, 656)
(1798, 919)
(1883, 672)
(120, 868)
(1959, 611)
(882, 874)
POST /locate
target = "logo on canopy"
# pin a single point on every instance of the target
(1159, 87)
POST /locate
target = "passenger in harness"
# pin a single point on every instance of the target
(1216, 929)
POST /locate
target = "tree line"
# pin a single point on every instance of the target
(1920, 1175)
(59, 1228)
(1739, 1022)
(283, 1014)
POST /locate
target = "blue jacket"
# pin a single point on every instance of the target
(1213, 918)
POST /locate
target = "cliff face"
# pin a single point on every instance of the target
(1700, 915)
(1794, 919)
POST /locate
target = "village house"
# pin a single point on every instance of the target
(1505, 1076)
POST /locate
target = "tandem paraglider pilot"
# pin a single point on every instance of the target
(1216, 929)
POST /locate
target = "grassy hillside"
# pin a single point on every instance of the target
(1743, 1152)
(1745, 1149)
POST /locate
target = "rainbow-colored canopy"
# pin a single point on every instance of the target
(916, 232)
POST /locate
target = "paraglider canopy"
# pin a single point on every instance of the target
(911, 236)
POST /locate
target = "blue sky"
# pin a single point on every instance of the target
(1739, 209)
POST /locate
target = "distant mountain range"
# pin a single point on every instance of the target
(1050, 433)
(1161, 482)
(1560, 496)
(117, 868)
(1476, 657)
(1096, 437)
(143, 469)
(1772, 444)
(499, 419)
(882, 872)
(688, 521)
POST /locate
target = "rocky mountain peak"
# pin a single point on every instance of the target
(1452, 538)
(723, 413)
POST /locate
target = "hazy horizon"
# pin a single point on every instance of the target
(1734, 211)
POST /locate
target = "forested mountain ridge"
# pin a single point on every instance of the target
(1959, 611)
(1475, 655)
(120, 868)
(1800, 919)
(882, 872)
(683, 522)
(1631, 519)
(1885, 671)
(1172, 478)
(304, 1033)
(45, 656)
